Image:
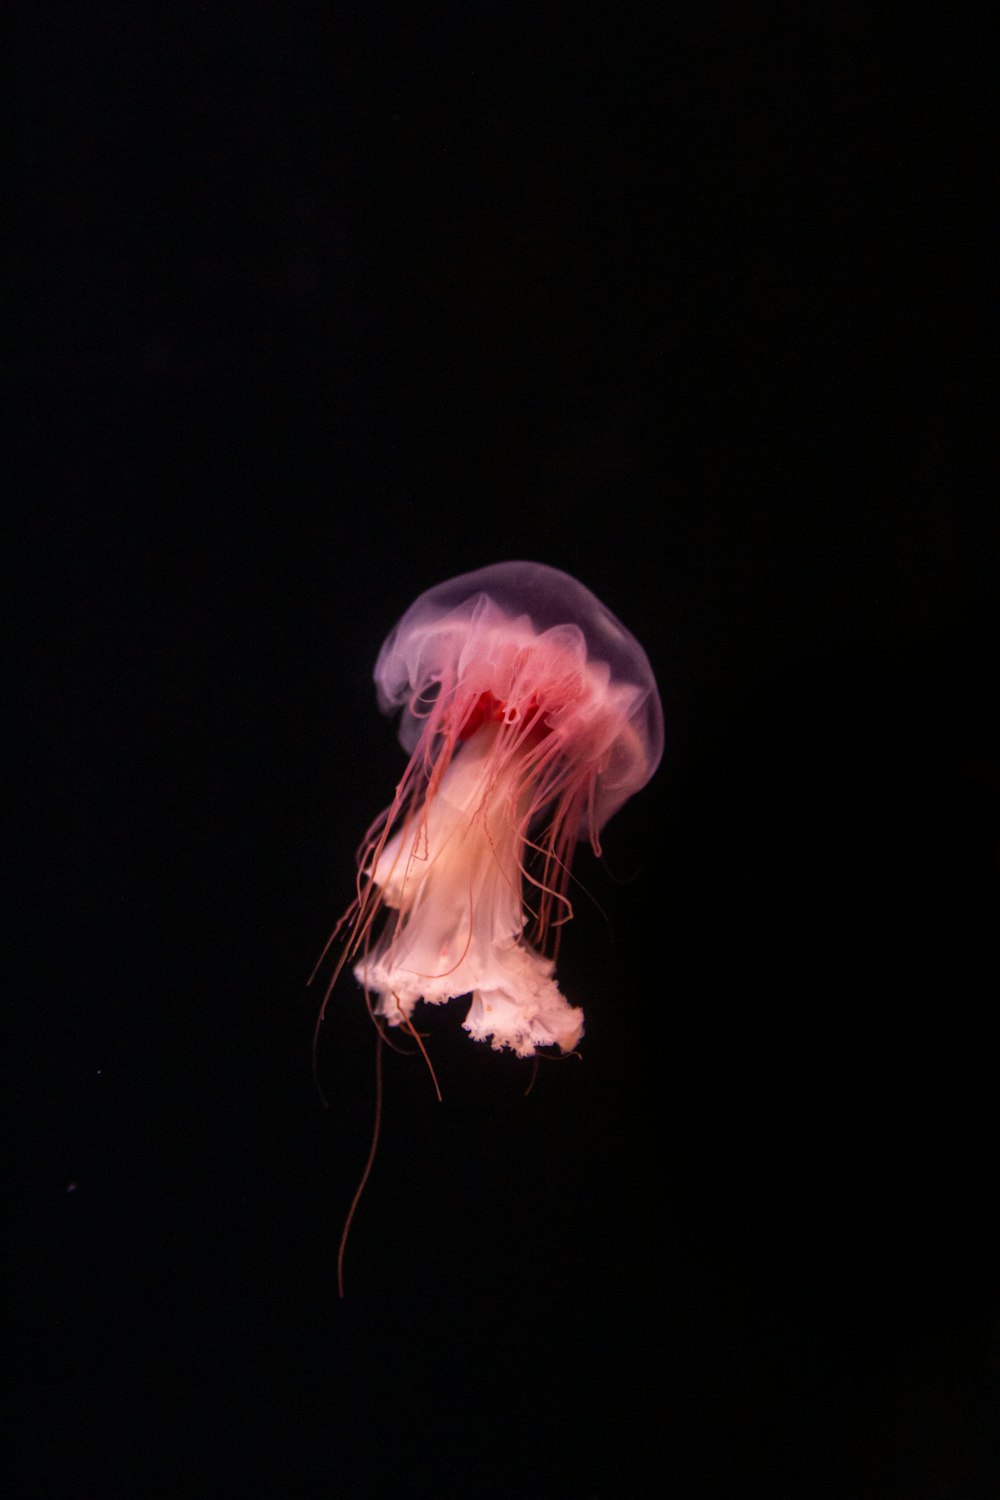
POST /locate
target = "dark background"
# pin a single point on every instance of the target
(324, 304)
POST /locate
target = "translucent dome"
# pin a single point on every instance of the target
(573, 657)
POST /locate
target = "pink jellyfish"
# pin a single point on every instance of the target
(530, 715)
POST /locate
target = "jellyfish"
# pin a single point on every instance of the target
(530, 715)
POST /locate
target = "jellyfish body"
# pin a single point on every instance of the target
(530, 715)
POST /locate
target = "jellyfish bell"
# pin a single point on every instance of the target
(530, 715)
